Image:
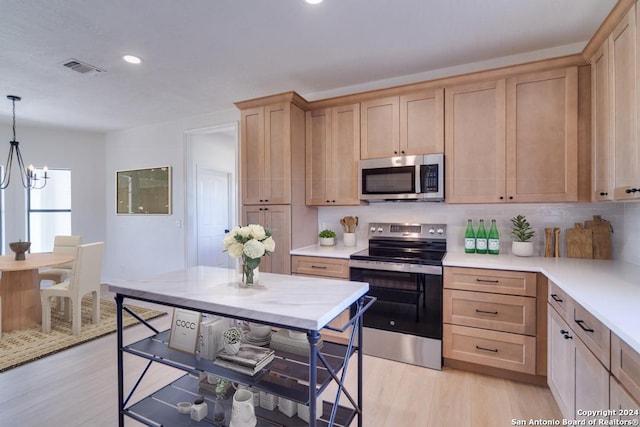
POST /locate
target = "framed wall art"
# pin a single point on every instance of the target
(144, 191)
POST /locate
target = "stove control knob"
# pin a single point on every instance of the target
(380, 229)
(440, 231)
(372, 229)
(432, 231)
(392, 322)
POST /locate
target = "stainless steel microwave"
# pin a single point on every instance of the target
(417, 178)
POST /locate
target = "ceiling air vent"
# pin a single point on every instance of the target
(82, 67)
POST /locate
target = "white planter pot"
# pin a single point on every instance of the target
(522, 248)
(327, 241)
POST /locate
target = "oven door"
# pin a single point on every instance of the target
(409, 303)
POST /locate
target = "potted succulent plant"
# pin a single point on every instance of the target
(232, 338)
(521, 232)
(327, 238)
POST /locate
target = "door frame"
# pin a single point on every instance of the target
(190, 219)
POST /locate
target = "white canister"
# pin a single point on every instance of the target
(199, 409)
(303, 410)
(349, 239)
(242, 411)
(268, 401)
(287, 407)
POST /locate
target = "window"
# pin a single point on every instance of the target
(49, 211)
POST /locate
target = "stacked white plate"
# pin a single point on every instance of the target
(259, 341)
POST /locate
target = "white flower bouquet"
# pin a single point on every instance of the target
(250, 242)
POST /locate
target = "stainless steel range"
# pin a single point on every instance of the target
(403, 266)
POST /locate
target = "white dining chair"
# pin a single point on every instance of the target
(84, 279)
(63, 245)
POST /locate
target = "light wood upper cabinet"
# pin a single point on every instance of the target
(475, 142)
(623, 57)
(402, 125)
(276, 218)
(542, 136)
(266, 154)
(332, 155)
(602, 160)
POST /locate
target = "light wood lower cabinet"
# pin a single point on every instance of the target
(276, 218)
(578, 373)
(491, 320)
(625, 366)
(336, 268)
(626, 407)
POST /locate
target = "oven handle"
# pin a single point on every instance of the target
(434, 270)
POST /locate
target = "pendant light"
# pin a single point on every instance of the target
(28, 176)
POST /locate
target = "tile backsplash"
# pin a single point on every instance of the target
(624, 218)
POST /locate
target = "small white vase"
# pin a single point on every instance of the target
(232, 348)
(242, 411)
(349, 239)
(522, 248)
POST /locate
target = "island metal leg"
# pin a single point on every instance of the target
(119, 327)
(313, 337)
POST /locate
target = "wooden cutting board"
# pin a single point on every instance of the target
(579, 242)
(601, 237)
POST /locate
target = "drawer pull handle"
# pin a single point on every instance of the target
(556, 298)
(487, 281)
(584, 328)
(321, 267)
(492, 350)
(486, 312)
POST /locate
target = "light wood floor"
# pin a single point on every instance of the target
(78, 387)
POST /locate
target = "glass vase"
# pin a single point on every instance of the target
(249, 275)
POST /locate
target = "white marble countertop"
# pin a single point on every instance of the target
(337, 251)
(307, 303)
(610, 290)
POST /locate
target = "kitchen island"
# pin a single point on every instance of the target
(292, 302)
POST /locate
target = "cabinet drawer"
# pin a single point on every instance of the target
(495, 281)
(491, 348)
(595, 335)
(625, 365)
(507, 313)
(319, 266)
(560, 301)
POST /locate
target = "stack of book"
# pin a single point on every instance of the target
(250, 359)
(211, 330)
(282, 341)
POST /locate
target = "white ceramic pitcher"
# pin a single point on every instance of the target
(242, 412)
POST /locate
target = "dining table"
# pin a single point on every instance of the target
(20, 288)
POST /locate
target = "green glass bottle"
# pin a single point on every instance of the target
(494, 239)
(481, 239)
(469, 238)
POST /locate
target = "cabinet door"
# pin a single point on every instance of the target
(318, 155)
(602, 167)
(475, 143)
(345, 155)
(252, 154)
(542, 136)
(276, 185)
(622, 57)
(379, 124)
(276, 218)
(592, 381)
(422, 122)
(620, 399)
(561, 363)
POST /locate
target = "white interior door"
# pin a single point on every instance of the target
(212, 200)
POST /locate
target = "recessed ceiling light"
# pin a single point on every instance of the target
(313, 1)
(132, 59)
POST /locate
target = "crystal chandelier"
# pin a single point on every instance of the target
(28, 176)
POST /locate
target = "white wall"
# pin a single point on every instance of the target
(79, 151)
(141, 246)
(624, 217)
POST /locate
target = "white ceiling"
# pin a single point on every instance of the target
(202, 55)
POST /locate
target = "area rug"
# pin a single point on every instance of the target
(20, 347)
